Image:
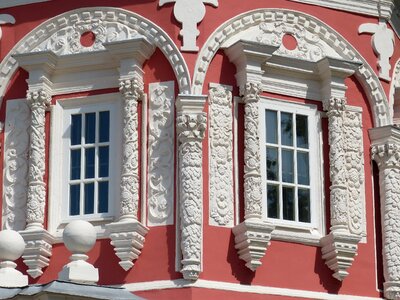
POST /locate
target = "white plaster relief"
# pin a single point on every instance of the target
(161, 154)
(247, 26)
(394, 94)
(221, 157)
(189, 13)
(5, 19)
(15, 170)
(382, 43)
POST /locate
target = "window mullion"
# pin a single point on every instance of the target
(280, 165)
(296, 200)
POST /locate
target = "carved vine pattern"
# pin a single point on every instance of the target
(38, 101)
(161, 155)
(252, 167)
(16, 166)
(191, 129)
(132, 91)
(221, 176)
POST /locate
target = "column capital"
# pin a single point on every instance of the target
(251, 91)
(131, 88)
(333, 104)
(38, 97)
(191, 125)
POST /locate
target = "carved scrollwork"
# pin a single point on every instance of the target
(191, 126)
(221, 178)
(132, 91)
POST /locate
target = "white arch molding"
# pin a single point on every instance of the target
(233, 29)
(127, 19)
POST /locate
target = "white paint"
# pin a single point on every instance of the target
(235, 287)
(189, 13)
(5, 19)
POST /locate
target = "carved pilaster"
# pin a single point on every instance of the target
(252, 168)
(387, 155)
(339, 247)
(38, 100)
(132, 91)
(191, 126)
(221, 157)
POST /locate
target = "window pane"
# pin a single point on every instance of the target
(75, 164)
(74, 199)
(76, 129)
(271, 122)
(288, 203)
(287, 165)
(302, 131)
(89, 198)
(303, 169)
(89, 163)
(272, 163)
(304, 205)
(273, 201)
(90, 130)
(103, 161)
(104, 126)
(286, 129)
(103, 197)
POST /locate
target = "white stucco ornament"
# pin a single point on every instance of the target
(79, 237)
(5, 19)
(189, 13)
(382, 43)
(12, 246)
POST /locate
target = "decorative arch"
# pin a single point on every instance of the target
(83, 19)
(394, 95)
(328, 39)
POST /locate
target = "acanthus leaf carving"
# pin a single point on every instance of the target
(161, 153)
(221, 160)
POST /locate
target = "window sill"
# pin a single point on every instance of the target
(306, 236)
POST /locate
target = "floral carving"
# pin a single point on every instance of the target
(38, 100)
(252, 168)
(132, 91)
(15, 182)
(221, 176)
(191, 129)
(161, 153)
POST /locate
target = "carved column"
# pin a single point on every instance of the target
(191, 124)
(128, 234)
(38, 240)
(339, 247)
(252, 237)
(386, 152)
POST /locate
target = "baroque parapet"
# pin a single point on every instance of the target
(191, 124)
(346, 154)
(386, 152)
(221, 156)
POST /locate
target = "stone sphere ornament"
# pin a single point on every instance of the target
(12, 245)
(79, 236)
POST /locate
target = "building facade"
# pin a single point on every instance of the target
(251, 154)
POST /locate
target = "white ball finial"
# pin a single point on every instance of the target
(79, 236)
(12, 246)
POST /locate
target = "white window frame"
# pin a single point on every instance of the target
(295, 231)
(60, 158)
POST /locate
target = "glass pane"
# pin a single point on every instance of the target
(104, 126)
(287, 165)
(286, 129)
(90, 130)
(103, 161)
(74, 199)
(89, 163)
(288, 203)
(271, 126)
(75, 164)
(304, 205)
(272, 163)
(89, 198)
(76, 129)
(302, 131)
(103, 197)
(303, 169)
(273, 201)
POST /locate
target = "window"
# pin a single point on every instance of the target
(291, 166)
(85, 145)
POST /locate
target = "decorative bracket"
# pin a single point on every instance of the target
(189, 13)
(382, 43)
